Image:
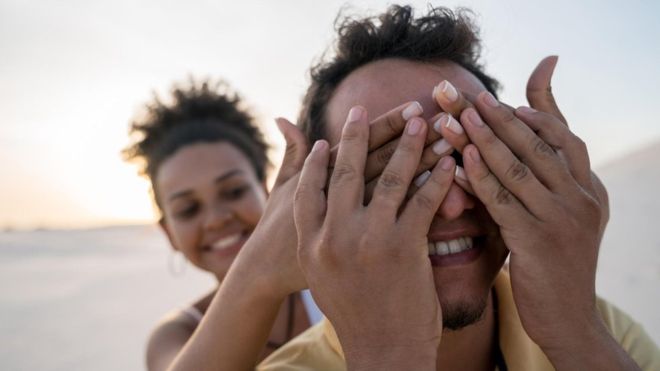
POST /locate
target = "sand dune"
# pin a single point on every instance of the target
(85, 300)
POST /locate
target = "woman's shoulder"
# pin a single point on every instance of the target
(167, 338)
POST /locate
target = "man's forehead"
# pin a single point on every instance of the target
(383, 85)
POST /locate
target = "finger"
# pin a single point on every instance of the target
(502, 205)
(422, 206)
(310, 203)
(378, 159)
(571, 148)
(460, 177)
(450, 99)
(509, 170)
(539, 89)
(347, 180)
(295, 152)
(451, 131)
(388, 126)
(533, 151)
(397, 175)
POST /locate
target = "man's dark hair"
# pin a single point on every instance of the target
(439, 35)
(203, 112)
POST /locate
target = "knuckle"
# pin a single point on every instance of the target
(391, 180)
(517, 171)
(424, 202)
(506, 115)
(540, 147)
(502, 196)
(343, 173)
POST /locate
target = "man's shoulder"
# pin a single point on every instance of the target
(310, 350)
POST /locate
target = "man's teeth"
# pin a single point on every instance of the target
(450, 247)
(226, 242)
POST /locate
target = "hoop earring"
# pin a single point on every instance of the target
(176, 263)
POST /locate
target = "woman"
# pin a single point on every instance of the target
(207, 164)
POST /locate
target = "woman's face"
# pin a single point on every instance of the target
(211, 201)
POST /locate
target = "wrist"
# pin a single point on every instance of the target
(391, 357)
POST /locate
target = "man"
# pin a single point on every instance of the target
(526, 189)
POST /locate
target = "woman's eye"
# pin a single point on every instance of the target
(235, 193)
(188, 212)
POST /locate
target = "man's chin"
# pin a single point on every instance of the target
(459, 314)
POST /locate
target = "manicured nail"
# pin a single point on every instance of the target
(446, 163)
(413, 109)
(526, 110)
(441, 147)
(474, 119)
(460, 173)
(319, 145)
(355, 114)
(490, 100)
(442, 120)
(414, 126)
(422, 178)
(454, 125)
(474, 154)
(448, 91)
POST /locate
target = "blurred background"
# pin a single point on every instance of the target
(83, 272)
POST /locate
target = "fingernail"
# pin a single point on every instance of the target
(448, 91)
(414, 126)
(474, 119)
(460, 173)
(446, 163)
(422, 178)
(474, 154)
(439, 122)
(413, 109)
(441, 146)
(490, 100)
(526, 110)
(355, 114)
(319, 145)
(454, 125)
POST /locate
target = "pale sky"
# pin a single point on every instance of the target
(74, 73)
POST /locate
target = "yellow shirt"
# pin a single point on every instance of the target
(318, 348)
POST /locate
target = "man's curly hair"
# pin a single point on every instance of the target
(203, 112)
(441, 34)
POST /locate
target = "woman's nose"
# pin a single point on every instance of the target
(217, 217)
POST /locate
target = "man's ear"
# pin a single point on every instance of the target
(162, 223)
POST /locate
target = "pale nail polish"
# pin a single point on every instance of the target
(454, 125)
(446, 163)
(460, 173)
(412, 110)
(422, 178)
(448, 91)
(441, 147)
(442, 120)
(490, 100)
(355, 114)
(474, 119)
(414, 126)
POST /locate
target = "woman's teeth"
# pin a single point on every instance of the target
(226, 242)
(450, 247)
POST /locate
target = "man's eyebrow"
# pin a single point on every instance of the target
(219, 179)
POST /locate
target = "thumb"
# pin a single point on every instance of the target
(539, 90)
(295, 152)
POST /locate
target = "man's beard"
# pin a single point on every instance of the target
(457, 315)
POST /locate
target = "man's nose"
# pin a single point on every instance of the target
(217, 217)
(455, 203)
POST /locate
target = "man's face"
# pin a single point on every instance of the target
(462, 280)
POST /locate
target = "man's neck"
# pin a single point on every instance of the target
(472, 347)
